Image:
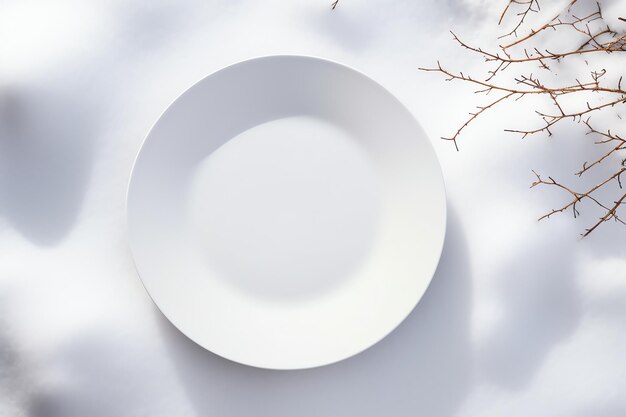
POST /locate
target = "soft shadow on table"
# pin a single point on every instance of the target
(535, 283)
(540, 308)
(617, 409)
(12, 372)
(422, 368)
(45, 159)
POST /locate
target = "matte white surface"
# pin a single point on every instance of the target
(286, 212)
(521, 318)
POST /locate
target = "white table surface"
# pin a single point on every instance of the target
(522, 318)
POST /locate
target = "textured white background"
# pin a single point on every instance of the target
(522, 318)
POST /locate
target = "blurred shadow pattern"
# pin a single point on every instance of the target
(106, 373)
(541, 308)
(14, 384)
(45, 158)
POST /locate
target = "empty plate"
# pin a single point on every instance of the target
(286, 212)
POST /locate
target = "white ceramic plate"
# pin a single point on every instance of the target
(286, 212)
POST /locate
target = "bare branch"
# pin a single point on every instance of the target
(593, 92)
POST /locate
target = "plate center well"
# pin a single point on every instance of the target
(287, 209)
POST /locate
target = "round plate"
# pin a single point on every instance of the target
(286, 212)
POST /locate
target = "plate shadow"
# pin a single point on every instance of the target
(423, 366)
